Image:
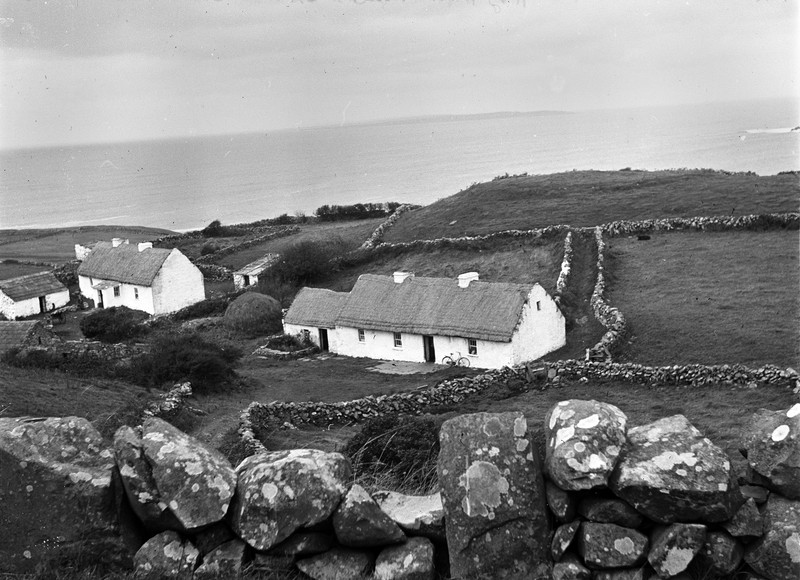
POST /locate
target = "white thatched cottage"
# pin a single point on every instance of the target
(408, 318)
(141, 277)
(248, 275)
(31, 294)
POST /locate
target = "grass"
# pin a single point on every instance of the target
(587, 198)
(58, 245)
(13, 270)
(709, 298)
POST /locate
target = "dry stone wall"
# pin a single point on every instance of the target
(607, 500)
(377, 236)
(566, 266)
(611, 318)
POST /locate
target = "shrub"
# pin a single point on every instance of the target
(399, 448)
(213, 230)
(306, 261)
(209, 248)
(288, 343)
(187, 357)
(114, 324)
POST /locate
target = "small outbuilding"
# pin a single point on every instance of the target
(248, 275)
(19, 334)
(32, 294)
(155, 280)
(420, 319)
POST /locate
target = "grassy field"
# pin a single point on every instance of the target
(710, 298)
(13, 269)
(58, 245)
(587, 198)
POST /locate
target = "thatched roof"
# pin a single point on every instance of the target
(255, 268)
(31, 286)
(13, 334)
(125, 263)
(316, 307)
(434, 306)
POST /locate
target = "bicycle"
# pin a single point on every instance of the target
(458, 361)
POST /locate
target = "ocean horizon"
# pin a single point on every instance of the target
(185, 183)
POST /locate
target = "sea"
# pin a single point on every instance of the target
(185, 183)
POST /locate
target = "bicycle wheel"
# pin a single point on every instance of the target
(448, 360)
(463, 362)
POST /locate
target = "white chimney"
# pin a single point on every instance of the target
(116, 242)
(145, 246)
(399, 277)
(465, 278)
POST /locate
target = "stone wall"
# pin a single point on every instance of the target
(566, 266)
(279, 232)
(377, 236)
(611, 318)
(607, 500)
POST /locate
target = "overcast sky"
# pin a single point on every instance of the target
(76, 71)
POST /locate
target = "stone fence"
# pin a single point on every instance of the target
(611, 318)
(607, 500)
(377, 236)
(280, 232)
(566, 266)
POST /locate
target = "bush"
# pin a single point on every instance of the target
(188, 357)
(288, 343)
(306, 261)
(114, 324)
(209, 247)
(83, 364)
(358, 211)
(399, 448)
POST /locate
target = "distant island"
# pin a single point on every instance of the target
(465, 117)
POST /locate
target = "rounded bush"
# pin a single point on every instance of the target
(254, 313)
(114, 324)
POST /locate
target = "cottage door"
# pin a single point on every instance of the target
(42, 304)
(323, 339)
(427, 344)
(100, 299)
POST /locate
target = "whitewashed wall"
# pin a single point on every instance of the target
(13, 310)
(127, 295)
(539, 331)
(178, 284)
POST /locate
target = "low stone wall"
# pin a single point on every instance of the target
(170, 403)
(790, 221)
(113, 351)
(267, 352)
(377, 236)
(566, 266)
(214, 272)
(279, 232)
(611, 318)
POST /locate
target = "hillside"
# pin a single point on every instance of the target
(588, 198)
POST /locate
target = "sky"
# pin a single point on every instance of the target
(85, 71)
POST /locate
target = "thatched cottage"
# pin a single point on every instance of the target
(31, 294)
(155, 280)
(248, 275)
(24, 333)
(408, 318)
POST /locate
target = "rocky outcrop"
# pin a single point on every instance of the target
(493, 496)
(772, 441)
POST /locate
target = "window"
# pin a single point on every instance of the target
(398, 340)
(361, 337)
(136, 293)
(538, 305)
(472, 345)
(306, 335)
(116, 291)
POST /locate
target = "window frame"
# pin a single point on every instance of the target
(398, 339)
(362, 336)
(136, 293)
(472, 346)
(117, 292)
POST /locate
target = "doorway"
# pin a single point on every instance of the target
(430, 352)
(323, 339)
(99, 298)
(42, 304)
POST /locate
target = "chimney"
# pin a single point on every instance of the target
(400, 277)
(145, 246)
(116, 242)
(465, 278)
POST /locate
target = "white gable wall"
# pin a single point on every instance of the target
(178, 284)
(540, 331)
(30, 306)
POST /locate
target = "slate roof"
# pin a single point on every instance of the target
(420, 305)
(316, 307)
(255, 268)
(31, 286)
(125, 263)
(14, 334)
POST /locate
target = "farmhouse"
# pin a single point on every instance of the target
(31, 294)
(248, 275)
(419, 319)
(155, 280)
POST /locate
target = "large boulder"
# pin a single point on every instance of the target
(224, 561)
(282, 491)
(417, 515)
(776, 555)
(772, 440)
(584, 441)
(175, 472)
(166, 555)
(493, 495)
(56, 491)
(360, 523)
(410, 561)
(671, 473)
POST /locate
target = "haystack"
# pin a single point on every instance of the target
(253, 311)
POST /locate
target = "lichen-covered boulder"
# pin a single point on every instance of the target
(338, 564)
(282, 491)
(410, 561)
(721, 553)
(562, 505)
(772, 440)
(166, 555)
(562, 539)
(493, 495)
(194, 481)
(302, 544)
(137, 480)
(584, 440)
(673, 547)
(417, 515)
(611, 546)
(570, 568)
(55, 489)
(671, 473)
(747, 521)
(776, 555)
(360, 523)
(610, 511)
(224, 561)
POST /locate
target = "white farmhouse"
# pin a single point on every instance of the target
(31, 294)
(408, 318)
(248, 275)
(141, 277)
